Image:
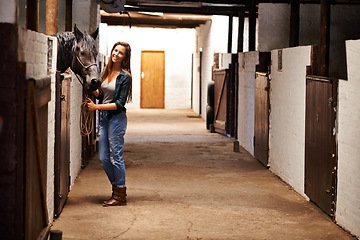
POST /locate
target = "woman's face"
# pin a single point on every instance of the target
(118, 54)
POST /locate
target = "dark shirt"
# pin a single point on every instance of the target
(122, 87)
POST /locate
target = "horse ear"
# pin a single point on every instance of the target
(78, 34)
(95, 33)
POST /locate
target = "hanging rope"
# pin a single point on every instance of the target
(86, 121)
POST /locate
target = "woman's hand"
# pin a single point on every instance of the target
(90, 104)
(96, 93)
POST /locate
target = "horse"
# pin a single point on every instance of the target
(78, 51)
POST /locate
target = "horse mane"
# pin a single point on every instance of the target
(67, 48)
(88, 43)
(66, 41)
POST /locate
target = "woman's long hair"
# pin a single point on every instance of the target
(125, 65)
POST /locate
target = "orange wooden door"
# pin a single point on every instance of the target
(152, 79)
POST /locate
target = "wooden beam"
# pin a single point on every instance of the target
(32, 15)
(252, 25)
(324, 38)
(230, 33)
(189, 9)
(241, 32)
(51, 17)
(165, 20)
(197, 1)
(68, 16)
(294, 23)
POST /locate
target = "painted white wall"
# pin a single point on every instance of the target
(211, 37)
(196, 83)
(287, 116)
(81, 14)
(86, 16)
(178, 44)
(246, 107)
(33, 49)
(274, 26)
(8, 11)
(348, 185)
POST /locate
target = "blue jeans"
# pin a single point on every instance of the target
(111, 144)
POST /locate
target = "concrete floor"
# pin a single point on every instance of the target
(186, 183)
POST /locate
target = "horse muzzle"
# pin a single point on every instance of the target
(94, 84)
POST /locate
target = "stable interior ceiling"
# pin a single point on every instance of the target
(190, 13)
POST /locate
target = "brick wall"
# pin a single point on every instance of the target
(51, 135)
(246, 110)
(204, 42)
(85, 15)
(33, 49)
(287, 116)
(273, 26)
(348, 189)
(75, 136)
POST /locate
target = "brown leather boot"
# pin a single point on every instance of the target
(112, 193)
(118, 199)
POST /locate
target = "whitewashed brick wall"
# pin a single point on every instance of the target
(246, 107)
(81, 14)
(178, 45)
(348, 188)
(287, 116)
(211, 38)
(204, 44)
(196, 83)
(273, 26)
(8, 11)
(51, 135)
(85, 15)
(75, 136)
(33, 49)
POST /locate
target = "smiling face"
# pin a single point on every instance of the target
(118, 54)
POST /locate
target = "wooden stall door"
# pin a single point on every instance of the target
(261, 131)
(62, 142)
(36, 215)
(220, 97)
(319, 152)
(152, 79)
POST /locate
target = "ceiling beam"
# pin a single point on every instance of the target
(147, 20)
(163, 6)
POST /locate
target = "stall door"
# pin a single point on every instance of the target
(320, 157)
(152, 79)
(261, 131)
(62, 142)
(220, 78)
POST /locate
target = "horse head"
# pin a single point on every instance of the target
(84, 56)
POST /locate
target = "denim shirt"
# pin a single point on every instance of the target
(122, 87)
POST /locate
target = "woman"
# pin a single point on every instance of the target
(114, 92)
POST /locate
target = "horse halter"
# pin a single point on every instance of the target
(84, 67)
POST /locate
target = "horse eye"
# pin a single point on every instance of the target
(82, 53)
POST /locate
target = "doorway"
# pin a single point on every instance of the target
(320, 150)
(152, 89)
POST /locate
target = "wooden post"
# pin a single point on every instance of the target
(51, 17)
(324, 38)
(55, 234)
(294, 23)
(68, 21)
(230, 33)
(32, 15)
(252, 25)
(241, 32)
